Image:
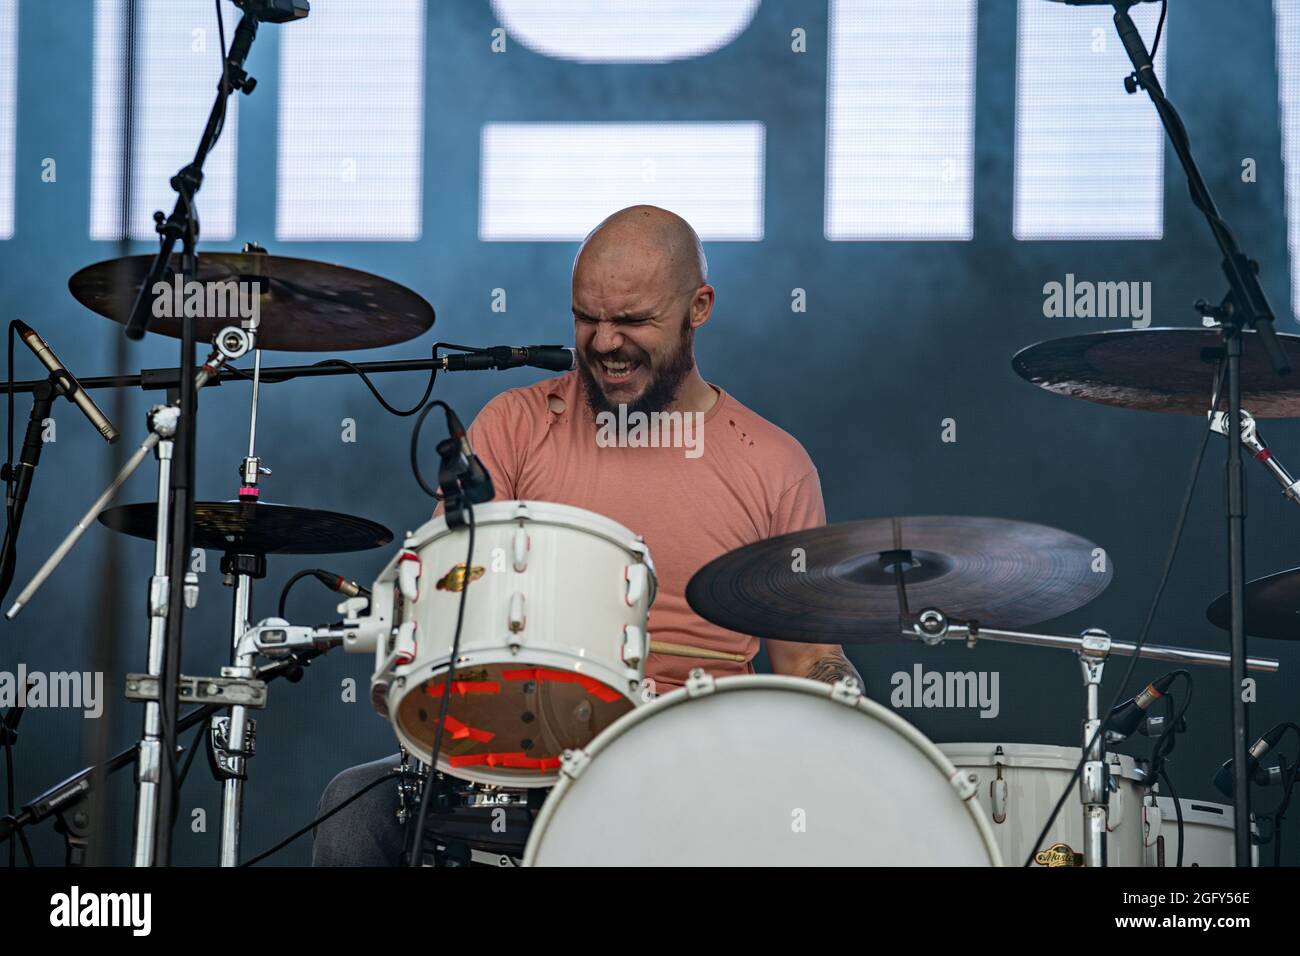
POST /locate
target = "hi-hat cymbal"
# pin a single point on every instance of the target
(835, 584)
(1160, 370)
(1272, 607)
(259, 528)
(304, 306)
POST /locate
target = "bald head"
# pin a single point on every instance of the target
(647, 244)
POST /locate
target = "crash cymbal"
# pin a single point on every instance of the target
(835, 584)
(1272, 607)
(304, 306)
(1160, 370)
(259, 528)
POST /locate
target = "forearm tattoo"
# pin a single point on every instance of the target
(831, 668)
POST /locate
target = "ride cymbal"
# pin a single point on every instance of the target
(836, 585)
(304, 306)
(1272, 607)
(1160, 370)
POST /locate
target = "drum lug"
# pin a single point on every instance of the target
(518, 619)
(998, 797)
(522, 545)
(405, 648)
(700, 683)
(633, 645)
(846, 691)
(408, 575)
(636, 576)
(573, 762)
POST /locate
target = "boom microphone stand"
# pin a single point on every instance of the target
(182, 226)
(1245, 305)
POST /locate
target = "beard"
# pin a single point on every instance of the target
(666, 381)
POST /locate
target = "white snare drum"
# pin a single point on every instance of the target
(1207, 834)
(1019, 785)
(552, 647)
(763, 770)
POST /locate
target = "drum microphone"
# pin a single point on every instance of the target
(1223, 778)
(554, 358)
(475, 482)
(1126, 717)
(72, 388)
(340, 584)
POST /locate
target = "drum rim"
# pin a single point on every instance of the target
(507, 511)
(1045, 757)
(748, 682)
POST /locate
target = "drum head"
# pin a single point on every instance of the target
(761, 771)
(507, 723)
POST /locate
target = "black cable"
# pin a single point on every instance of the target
(1160, 26)
(284, 592)
(431, 782)
(387, 778)
(1146, 625)
(9, 786)
(415, 452)
(1178, 814)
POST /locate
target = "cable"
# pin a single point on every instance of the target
(284, 593)
(1178, 814)
(189, 757)
(319, 820)
(9, 786)
(1146, 625)
(431, 782)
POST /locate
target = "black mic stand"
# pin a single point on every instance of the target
(182, 226)
(1244, 305)
(19, 479)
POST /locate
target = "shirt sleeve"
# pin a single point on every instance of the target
(800, 506)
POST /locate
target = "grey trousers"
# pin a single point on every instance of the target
(366, 832)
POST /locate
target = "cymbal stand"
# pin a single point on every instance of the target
(233, 738)
(1093, 647)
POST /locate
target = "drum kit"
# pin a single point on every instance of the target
(510, 638)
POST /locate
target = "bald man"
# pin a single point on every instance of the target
(640, 292)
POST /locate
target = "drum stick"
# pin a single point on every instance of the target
(686, 650)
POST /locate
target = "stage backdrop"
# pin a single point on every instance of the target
(886, 192)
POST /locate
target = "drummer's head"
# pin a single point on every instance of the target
(640, 290)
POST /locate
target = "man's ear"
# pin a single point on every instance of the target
(702, 305)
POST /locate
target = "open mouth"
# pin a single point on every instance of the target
(616, 371)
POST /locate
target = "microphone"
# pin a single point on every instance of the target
(554, 358)
(1126, 717)
(475, 482)
(72, 388)
(275, 11)
(1223, 778)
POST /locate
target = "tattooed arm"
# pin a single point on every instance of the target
(821, 662)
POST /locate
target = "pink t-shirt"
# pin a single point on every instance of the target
(745, 481)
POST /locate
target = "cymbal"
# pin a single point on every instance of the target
(1160, 370)
(259, 528)
(999, 572)
(304, 306)
(1272, 607)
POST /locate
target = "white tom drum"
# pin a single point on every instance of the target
(1019, 784)
(1207, 834)
(766, 770)
(552, 647)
